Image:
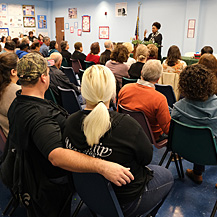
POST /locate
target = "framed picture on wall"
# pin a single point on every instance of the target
(75, 25)
(79, 32)
(85, 23)
(66, 25)
(104, 32)
(42, 21)
(191, 28)
(71, 29)
(28, 10)
(29, 21)
(4, 32)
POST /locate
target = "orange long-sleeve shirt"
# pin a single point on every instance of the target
(139, 97)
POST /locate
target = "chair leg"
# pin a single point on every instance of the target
(181, 167)
(78, 208)
(214, 210)
(177, 166)
(169, 161)
(163, 157)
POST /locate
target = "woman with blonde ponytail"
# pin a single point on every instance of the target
(116, 137)
(136, 68)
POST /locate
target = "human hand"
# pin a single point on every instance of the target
(145, 32)
(116, 173)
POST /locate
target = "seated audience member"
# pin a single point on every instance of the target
(129, 47)
(31, 36)
(142, 96)
(3, 41)
(94, 51)
(40, 142)
(65, 53)
(40, 39)
(44, 49)
(8, 86)
(9, 47)
(118, 56)
(153, 52)
(35, 47)
(209, 61)
(173, 63)
(206, 49)
(105, 56)
(78, 54)
(8, 38)
(23, 50)
(141, 55)
(17, 43)
(25, 40)
(58, 78)
(199, 107)
(53, 47)
(124, 140)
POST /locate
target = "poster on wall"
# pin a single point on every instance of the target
(15, 10)
(15, 32)
(121, 9)
(85, 23)
(28, 10)
(79, 32)
(4, 32)
(3, 21)
(191, 28)
(104, 32)
(71, 29)
(27, 30)
(42, 21)
(3, 9)
(75, 25)
(29, 21)
(72, 12)
(15, 21)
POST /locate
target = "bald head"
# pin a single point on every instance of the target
(57, 57)
(108, 45)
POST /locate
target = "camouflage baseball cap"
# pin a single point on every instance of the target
(31, 66)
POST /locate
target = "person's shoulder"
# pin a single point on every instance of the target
(74, 118)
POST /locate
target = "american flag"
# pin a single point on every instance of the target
(137, 23)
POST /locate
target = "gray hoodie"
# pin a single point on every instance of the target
(197, 113)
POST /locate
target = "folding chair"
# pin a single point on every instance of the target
(49, 95)
(14, 201)
(89, 63)
(69, 100)
(168, 92)
(69, 72)
(193, 143)
(196, 144)
(143, 121)
(76, 65)
(128, 80)
(97, 193)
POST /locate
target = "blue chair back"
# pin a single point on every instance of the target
(69, 100)
(128, 80)
(89, 63)
(97, 193)
(168, 92)
(69, 72)
(194, 143)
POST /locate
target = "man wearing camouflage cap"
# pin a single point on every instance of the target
(35, 131)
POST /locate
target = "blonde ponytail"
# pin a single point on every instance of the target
(98, 87)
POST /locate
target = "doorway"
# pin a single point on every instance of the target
(60, 31)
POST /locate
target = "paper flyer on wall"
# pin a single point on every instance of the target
(3, 9)
(121, 9)
(15, 21)
(15, 10)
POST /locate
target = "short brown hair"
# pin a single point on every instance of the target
(77, 45)
(119, 54)
(94, 48)
(153, 50)
(63, 45)
(173, 55)
(197, 82)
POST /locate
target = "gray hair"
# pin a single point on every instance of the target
(108, 44)
(141, 52)
(152, 70)
(46, 38)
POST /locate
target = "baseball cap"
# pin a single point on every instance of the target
(31, 66)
